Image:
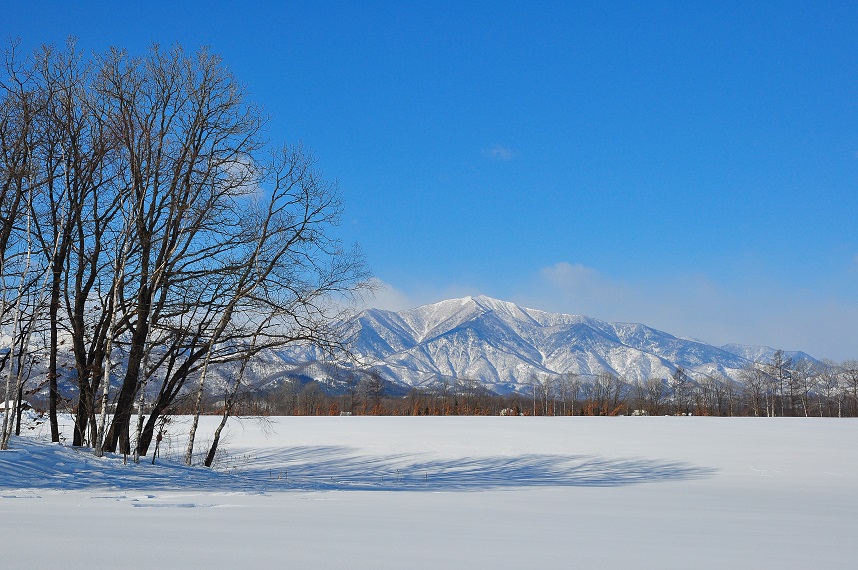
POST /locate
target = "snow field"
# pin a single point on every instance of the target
(455, 492)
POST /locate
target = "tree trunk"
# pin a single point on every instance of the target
(148, 432)
(7, 418)
(18, 408)
(84, 410)
(141, 401)
(189, 453)
(227, 409)
(119, 429)
(213, 449)
(53, 390)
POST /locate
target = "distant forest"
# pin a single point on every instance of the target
(782, 387)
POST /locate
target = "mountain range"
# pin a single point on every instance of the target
(503, 346)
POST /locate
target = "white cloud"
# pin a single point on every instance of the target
(582, 284)
(385, 296)
(500, 153)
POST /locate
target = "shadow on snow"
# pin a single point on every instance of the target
(39, 465)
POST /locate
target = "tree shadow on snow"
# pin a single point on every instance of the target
(38, 465)
(330, 467)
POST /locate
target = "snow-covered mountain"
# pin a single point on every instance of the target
(503, 346)
(763, 353)
(499, 344)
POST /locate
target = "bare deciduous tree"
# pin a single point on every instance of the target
(166, 229)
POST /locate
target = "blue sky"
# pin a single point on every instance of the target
(689, 165)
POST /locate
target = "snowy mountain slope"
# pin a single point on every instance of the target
(499, 344)
(504, 345)
(763, 353)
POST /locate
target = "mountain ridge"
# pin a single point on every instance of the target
(503, 346)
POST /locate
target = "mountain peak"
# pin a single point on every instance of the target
(504, 345)
(492, 303)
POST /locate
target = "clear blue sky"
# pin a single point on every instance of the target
(692, 166)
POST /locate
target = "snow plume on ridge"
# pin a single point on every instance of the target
(503, 345)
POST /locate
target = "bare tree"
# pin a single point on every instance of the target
(568, 386)
(21, 331)
(230, 400)
(850, 377)
(183, 128)
(221, 235)
(76, 216)
(546, 387)
(732, 394)
(802, 382)
(829, 388)
(19, 106)
(780, 370)
(681, 386)
(656, 396)
(166, 229)
(756, 381)
(470, 389)
(271, 258)
(372, 389)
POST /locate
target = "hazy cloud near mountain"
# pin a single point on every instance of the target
(387, 297)
(696, 306)
(390, 298)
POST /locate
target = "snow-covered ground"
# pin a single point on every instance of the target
(454, 492)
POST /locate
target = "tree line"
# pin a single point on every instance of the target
(782, 387)
(149, 233)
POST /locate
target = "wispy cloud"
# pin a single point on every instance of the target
(696, 305)
(499, 153)
(390, 298)
(386, 296)
(747, 311)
